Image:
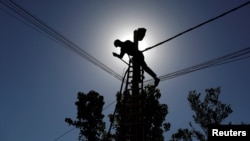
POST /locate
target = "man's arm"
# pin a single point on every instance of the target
(119, 55)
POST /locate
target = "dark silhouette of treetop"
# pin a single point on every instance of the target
(209, 111)
(89, 116)
(153, 115)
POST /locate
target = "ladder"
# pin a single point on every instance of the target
(130, 82)
(132, 123)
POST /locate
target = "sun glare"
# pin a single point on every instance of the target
(124, 30)
(128, 34)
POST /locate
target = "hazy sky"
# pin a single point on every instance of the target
(40, 78)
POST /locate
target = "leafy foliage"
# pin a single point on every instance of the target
(210, 111)
(89, 116)
(143, 108)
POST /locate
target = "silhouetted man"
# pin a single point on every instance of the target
(138, 57)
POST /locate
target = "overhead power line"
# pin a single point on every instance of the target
(49, 31)
(199, 25)
(65, 133)
(236, 56)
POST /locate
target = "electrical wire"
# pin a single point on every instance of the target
(236, 56)
(43, 27)
(65, 133)
(199, 25)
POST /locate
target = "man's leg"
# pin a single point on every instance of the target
(150, 72)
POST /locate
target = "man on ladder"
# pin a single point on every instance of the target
(131, 49)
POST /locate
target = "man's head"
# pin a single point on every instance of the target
(117, 43)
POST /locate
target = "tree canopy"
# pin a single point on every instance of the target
(147, 116)
(209, 111)
(89, 116)
(144, 109)
(143, 117)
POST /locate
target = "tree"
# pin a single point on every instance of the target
(89, 116)
(152, 114)
(142, 112)
(208, 112)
